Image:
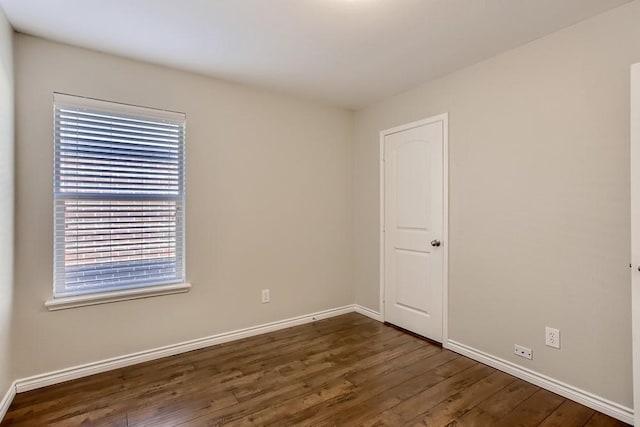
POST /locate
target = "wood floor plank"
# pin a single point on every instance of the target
(476, 417)
(602, 420)
(345, 371)
(503, 402)
(532, 411)
(462, 402)
(569, 414)
(494, 407)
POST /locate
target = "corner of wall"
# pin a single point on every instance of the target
(7, 140)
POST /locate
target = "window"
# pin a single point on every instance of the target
(119, 196)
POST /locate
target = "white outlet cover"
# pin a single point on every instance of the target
(552, 337)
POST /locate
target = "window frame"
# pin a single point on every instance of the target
(132, 290)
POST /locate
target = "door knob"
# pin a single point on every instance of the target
(435, 243)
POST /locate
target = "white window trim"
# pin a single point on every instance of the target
(55, 304)
(109, 296)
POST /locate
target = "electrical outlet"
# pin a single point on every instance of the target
(521, 351)
(266, 296)
(552, 337)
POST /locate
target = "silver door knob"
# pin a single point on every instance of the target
(435, 243)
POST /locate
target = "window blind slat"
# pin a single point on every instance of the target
(87, 114)
(111, 141)
(119, 197)
(104, 131)
(93, 126)
(91, 156)
(102, 146)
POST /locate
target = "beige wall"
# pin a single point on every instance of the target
(539, 200)
(268, 206)
(6, 199)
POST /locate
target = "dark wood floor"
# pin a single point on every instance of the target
(345, 371)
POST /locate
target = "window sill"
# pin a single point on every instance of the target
(64, 303)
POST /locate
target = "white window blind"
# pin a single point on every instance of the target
(119, 196)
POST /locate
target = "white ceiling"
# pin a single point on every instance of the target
(345, 52)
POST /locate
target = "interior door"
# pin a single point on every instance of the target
(635, 234)
(413, 227)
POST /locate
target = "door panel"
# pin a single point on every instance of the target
(413, 218)
(412, 266)
(411, 186)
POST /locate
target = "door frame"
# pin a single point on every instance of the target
(635, 234)
(444, 118)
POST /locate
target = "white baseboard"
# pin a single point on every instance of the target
(80, 371)
(368, 312)
(7, 399)
(570, 392)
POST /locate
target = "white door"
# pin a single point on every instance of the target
(413, 226)
(635, 234)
